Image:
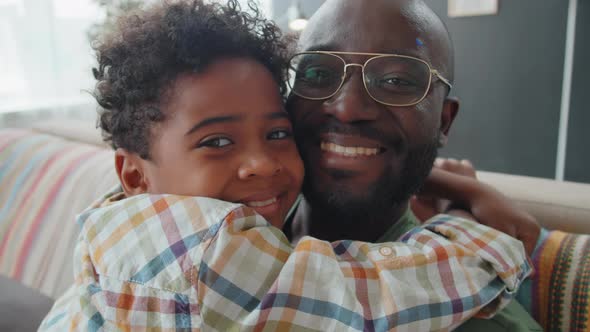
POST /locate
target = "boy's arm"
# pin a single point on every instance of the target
(166, 262)
(452, 181)
(558, 295)
(443, 273)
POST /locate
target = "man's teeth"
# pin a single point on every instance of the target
(348, 151)
(262, 203)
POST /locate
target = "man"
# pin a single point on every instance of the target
(369, 137)
(376, 187)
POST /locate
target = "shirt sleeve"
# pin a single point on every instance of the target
(441, 274)
(164, 262)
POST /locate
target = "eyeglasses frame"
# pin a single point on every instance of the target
(373, 56)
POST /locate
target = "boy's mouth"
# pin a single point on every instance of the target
(255, 204)
(269, 205)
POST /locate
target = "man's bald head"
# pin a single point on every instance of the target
(381, 26)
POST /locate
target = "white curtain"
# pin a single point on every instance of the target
(45, 57)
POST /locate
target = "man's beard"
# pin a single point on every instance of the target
(350, 210)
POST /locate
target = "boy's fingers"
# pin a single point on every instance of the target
(461, 167)
(467, 163)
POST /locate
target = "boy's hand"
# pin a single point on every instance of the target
(426, 206)
(455, 182)
(493, 209)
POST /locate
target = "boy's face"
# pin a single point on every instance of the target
(227, 136)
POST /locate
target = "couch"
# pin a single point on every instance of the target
(53, 170)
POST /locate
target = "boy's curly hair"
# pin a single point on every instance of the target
(148, 49)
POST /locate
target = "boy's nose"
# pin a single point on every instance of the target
(260, 164)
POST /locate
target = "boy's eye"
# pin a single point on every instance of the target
(215, 142)
(280, 134)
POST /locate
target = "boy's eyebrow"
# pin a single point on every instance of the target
(232, 118)
(215, 120)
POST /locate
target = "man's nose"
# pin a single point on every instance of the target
(259, 163)
(352, 102)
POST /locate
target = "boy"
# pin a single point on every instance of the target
(190, 97)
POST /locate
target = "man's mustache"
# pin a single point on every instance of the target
(366, 130)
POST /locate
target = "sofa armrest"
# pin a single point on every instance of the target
(71, 130)
(44, 182)
(556, 205)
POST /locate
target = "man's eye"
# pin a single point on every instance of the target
(280, 134)
(397, 84)
(315, 75)
(396, 81)
(216, 142)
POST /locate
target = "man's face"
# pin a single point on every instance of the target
(335, 135)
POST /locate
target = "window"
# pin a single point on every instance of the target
(45, 55)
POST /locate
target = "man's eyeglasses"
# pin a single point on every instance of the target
(390, 79)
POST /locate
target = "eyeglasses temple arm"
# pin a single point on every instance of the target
(440, 77)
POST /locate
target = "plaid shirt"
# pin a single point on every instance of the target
(170, 263)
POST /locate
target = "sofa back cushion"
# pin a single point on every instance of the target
(44, 182)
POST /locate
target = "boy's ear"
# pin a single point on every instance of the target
(449, 112)
(130, 171)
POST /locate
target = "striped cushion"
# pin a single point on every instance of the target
(44, 182)
(560, 292)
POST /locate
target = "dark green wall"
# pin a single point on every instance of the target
(509, 78)
(578, 148)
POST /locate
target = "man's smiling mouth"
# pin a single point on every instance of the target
(349, 151)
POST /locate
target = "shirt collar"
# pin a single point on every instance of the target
(403, 225)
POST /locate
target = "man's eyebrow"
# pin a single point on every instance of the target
(321, 47)
(212, 121)
(407, 52)
(334, 48)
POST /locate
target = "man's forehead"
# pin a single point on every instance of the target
(376, 26)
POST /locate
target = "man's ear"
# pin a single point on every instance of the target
(449, 112)
(130, 171)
